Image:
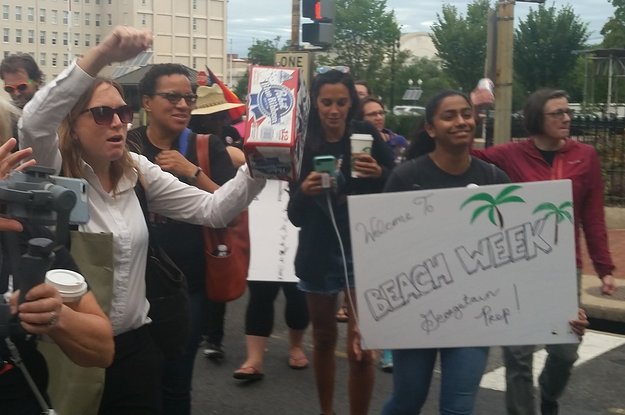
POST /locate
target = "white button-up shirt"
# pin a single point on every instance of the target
(119, 212)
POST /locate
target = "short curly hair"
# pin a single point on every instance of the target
(147, 85)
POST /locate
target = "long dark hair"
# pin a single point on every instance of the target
(315, 131)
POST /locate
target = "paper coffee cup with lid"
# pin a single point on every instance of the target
(70, 285)
(360, 143)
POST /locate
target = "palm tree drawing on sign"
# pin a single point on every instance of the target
(558, 212)
(492, 204)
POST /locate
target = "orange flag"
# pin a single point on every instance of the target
(235, 113)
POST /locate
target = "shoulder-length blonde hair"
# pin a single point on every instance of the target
(8, 114)
(71, 150)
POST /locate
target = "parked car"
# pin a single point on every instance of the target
(408, 110)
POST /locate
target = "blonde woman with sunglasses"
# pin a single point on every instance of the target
(91, 116)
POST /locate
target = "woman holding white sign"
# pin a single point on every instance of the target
(449, 122)
(318, 205)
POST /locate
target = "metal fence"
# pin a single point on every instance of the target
(607, 136)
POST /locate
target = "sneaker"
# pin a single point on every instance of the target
(214, 351)
(386, 362)
(549, 407)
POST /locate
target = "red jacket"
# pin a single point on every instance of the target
(576, 161)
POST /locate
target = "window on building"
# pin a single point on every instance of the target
(110, 19)
(195, 62)
(143, 20)
(18, 13)
(5, 12)
(6, 53)
(30, 14)
(42, 59)
(42, 37)
(18, 35)
(54, 16)
(53, 38)
(194, 44)
(194, 23)
(55, 57)
(194, 7)
(97, 39)
(97, 19)
(97, 1)
(65, 38)
(6, 33)
(31, 36)
(42, 15)
(76, 39)
(87, 39)
(86, 1)
(65, 17)
(66, 59)
(76, 18)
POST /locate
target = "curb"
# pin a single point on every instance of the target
(598, 306)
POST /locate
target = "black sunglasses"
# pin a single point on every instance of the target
(10, 89)
(104, 115)
(174, 97)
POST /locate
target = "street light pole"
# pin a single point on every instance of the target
(295, 12)
(503, 71)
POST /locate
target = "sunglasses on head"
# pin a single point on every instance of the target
(11, 89)
(323, 69)
(174, 97)
(104, 115)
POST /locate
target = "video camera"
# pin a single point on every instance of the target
(39, 198)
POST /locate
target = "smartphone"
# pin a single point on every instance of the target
(325, 164)
(80, 212)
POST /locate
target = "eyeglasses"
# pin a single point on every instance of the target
(11, 89)
(323, 69)
(104, 115)
(174, 97)
(381, 113)
(560, 113)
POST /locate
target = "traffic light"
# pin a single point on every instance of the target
(321, 12)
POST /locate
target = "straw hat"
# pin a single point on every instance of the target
(210, 99)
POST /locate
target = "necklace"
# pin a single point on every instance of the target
(455, 169)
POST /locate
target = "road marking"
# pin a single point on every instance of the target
(594, 344)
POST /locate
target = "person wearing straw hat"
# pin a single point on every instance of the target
(210, 116)
(168, 98)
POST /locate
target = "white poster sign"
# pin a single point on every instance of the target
(273, 237)
(485, 266)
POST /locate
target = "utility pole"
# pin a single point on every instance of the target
(295, 16)
(503, 71)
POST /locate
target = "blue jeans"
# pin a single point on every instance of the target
(178, 373)
(461, 371)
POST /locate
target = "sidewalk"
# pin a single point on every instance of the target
(599, 306)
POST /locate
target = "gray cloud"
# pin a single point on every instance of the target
(266, 19)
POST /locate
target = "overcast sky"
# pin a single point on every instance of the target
(266, 19)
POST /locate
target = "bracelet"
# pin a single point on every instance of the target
(196, 175)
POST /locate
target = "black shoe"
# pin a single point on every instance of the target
(214, 351)
(549, 408)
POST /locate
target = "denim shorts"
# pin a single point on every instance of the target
(332, 282)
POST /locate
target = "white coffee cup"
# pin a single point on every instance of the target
(71, 285)
(360, 143)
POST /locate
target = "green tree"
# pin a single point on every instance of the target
(261, 52)
(558, 212)
(461, 42)
(543, 47)
(493, 203)
(614, 30)
(365, 34)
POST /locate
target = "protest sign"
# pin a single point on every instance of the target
(273, 237)
(483, 266)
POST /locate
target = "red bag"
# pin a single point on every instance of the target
(226, 273)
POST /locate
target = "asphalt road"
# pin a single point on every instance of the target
(595, 388)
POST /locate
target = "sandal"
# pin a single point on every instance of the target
(250, 374)
(342, 316)
(298, 362)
